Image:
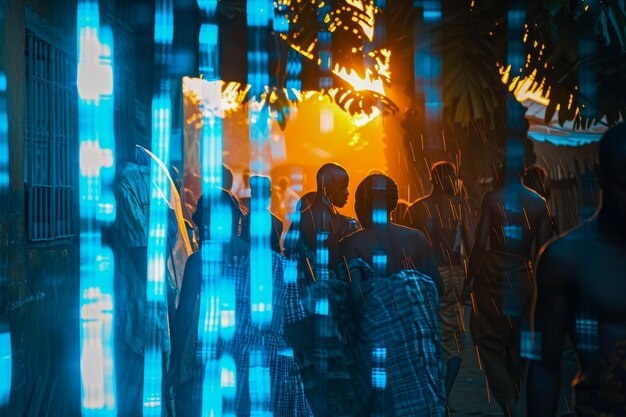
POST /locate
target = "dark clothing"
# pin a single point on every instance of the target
(314, 329)
(275, 233)
(451, 310)
(392, 328)
(267, 346)
(501, 307)
(129, 381)
(132, 190)
(602, 392)
(317, 339)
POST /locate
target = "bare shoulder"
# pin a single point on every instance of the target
(559, 257)
(351, 239)
(419, 203)
(406, 234)
(353, 236)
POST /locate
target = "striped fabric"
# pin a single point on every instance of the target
(317, 339)
(287, 392)
(395, 339)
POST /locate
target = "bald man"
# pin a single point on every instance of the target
(317, 337)
(581, 292)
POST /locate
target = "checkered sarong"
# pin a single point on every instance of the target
(396, 342)
(287, 392)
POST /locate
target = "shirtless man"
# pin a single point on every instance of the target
(404, 248)
(445, 218)
(581, 287)
(316, 339)
(385, 301)
(322, 215)
(514, 223)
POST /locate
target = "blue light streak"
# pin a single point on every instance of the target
(515, 115)
(427, 55)
(96, 207)
(259, 16)
(156, 293)
(218, 293)
(5, 334)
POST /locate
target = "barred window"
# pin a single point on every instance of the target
(50, 134)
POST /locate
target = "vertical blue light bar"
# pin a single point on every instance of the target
(294, 73)
(428, 67)
(516, 17)
(379, 379)
(156, 293)
(259, 16)
(323, 325)
(96, 207)
(5, 334)
(217, 299)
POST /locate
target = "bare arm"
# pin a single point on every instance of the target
(550, 323)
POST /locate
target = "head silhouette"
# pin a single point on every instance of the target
(261, 187)
(376, 197)
(443, 177)
(225, 207)
(612, 176)
(332, 183)
(535, 178)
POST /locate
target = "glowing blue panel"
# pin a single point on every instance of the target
(512, 232)
(530, 345)
(96, 207)
(218, 296)
(586, 333)
(5, 334)
(260, 15)
(5, 367)
(427, 59)
(379, 261)
(156, 292)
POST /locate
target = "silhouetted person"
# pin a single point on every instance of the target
(315, 334)
(581, 292)
(399, 215)
(445, 218)
(514, 223)
(292, 237)
(227, 178)
(322, 214)
(132, 310)
(535, 179)
(390, 309)
(286, 394)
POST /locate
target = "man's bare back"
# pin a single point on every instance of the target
(405, 249)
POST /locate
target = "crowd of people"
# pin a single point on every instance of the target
(368, 314)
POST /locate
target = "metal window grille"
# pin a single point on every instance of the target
(50, 129)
